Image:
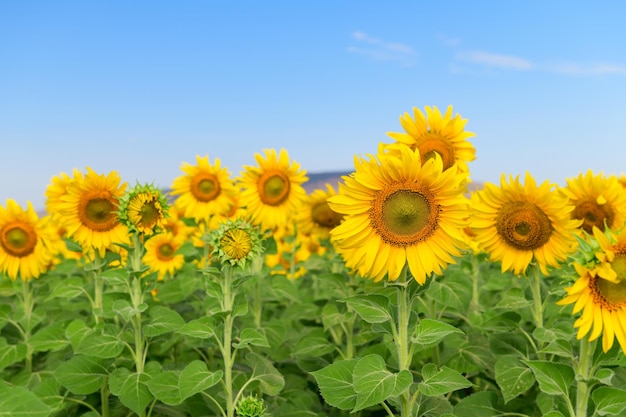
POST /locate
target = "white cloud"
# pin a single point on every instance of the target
(593, 69)
(380, 50)
(495, 60)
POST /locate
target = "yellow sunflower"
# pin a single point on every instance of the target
(24, 247)
(597, 199)
(398, 211)
(517, 223)
(143, 209)
(432, 133)
(315, 217)
(161, 254)
(57, 189)
(89, 211)
(205, 190)
(272, 191)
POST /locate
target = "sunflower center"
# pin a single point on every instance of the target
(150, 214)
(273, 187)
(593, 214)
(523, 225)
(435, 144)
(619, 266)
(609, 295)
(325, 217)
(236, 243)
(18, 239)
(98, 212)
(205, 187)
(165, 251)
(404, 214)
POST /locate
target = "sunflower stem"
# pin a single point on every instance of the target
(98, 287)
(475, 276)
(537, 312)
(137, 300)
(226, 346)
(583, 373)
(402, 340)
(27, 298)
(104, 398)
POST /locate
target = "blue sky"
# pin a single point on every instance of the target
(140, 87)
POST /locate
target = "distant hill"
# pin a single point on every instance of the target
(318, 180)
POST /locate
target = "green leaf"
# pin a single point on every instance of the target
(373, 383)
(17, 401)
(100, 346)
(202, 328)
(553, 378)
(314, 344)
(196, 378)
(131, 389)
(609, 401)
(67, 288)
(10, 354)
(271, 381)
(124, 309)
(250, 336)
(430, 332)
(81, 375)
(76, 332)
(480, 404)
(335, 383)
(513, 299)
(118, 276)
(512, 377)
(373, 308)
(163, 320)
(165, 387)
(51, 337)
(441, 381)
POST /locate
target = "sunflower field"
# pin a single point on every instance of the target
(403, 290)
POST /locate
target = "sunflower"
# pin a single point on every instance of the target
(272, 191)
(204, 191)
(57, 189)
(161, 254)
(236, 242)
(597, 200)
(398, 211)
(315, 217)
(143, 209)
(24, 247)
(432, 133)
(89, 211)
(517, 223)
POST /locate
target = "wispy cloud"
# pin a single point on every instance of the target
(380, 50)
(495, 60)
(448, 41)
(590, 69)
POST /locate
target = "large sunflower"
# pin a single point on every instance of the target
(597, 200)
(315, 217)
(432, 133)
(273, 190)
(57, 189)
(517, 223)
(24, 242)
(161, 254)
(205, 190)
(398, 211)
(89, 211)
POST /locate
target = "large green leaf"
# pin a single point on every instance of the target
(118, 276)
(553, 378)
(20, 402)
(480, 404)
(100, 345)
(131, 388)
(429, 332)
(81, 375)
(609, 401)
(202, 328)
(10, 354)
(373, 383)
(373, 308)
(67, 288)
(162, 320)
(512, 377)
(51, 337)
(196, 378)
(250, 336)
(441, 381)
(336, 385)
(271, 381)
(165, 387)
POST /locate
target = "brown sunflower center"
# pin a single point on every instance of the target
(98, 212)
(18, 239)
(523, 225)
(326, 217)
(150, 213)
(165, 251)
(404, 214)
(273, 187)
(435, 144)
(205, 187)
(593, 214)
(619, 266)
(607, 294)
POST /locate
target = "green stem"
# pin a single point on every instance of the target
(538, 304)
(98, 288)
(583, 371)
(104, 398)
(475, 276)
(137, 299)
(227, 354)
(27, 297)
(402, 339)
